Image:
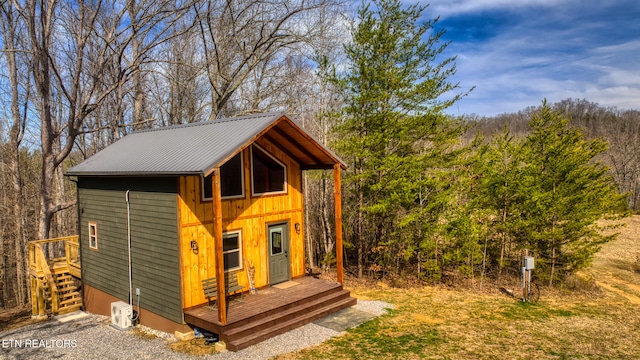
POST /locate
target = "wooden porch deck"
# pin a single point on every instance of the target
(272, 311)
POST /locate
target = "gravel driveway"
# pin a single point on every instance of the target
(91, 337)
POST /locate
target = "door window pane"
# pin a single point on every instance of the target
(276, 242)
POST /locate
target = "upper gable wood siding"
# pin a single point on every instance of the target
(154, 238)
(250, 214)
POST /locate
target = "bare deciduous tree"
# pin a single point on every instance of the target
(70, 51)
(15, 240)
(240, 36)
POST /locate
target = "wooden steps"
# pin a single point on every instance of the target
(55, 280)
(69, 298)
(273, 312)
(283, 322)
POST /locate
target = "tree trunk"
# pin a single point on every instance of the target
(3, 266)
(46, 198)
(504, 241)
(553, 265)
(19, 243)
(360, 231)
(17, 261)
(553, 243)
(138, 91)
(484, 262)
(308, 239)
(40, 31)
(327, 232)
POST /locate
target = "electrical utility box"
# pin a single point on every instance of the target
(529, 263)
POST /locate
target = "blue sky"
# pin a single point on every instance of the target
(518, 52)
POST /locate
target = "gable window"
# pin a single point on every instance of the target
(268, 174)
(231, 179)
(232, 250)
(93, 236)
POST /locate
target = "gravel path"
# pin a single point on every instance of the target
(91, 337)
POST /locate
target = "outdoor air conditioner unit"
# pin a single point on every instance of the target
(121, 314)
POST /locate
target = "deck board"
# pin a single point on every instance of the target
(271, 311)
(266, 299)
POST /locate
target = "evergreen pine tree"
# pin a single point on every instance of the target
(565, 191)
(500, 194)
(394, 133)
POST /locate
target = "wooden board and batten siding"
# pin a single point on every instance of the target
(154, 238)
(250, 214)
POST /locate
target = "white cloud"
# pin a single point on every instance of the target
(517, 53)
(455, 7)
(622, 77)
(623, 97)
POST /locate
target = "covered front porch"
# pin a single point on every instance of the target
(272, 311)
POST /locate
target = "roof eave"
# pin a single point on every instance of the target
(312, 138)
(133, 173)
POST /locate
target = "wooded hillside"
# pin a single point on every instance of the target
(619, 128)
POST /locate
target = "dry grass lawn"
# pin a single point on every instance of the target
(434, 323)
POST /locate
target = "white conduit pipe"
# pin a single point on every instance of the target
(129, 248)
(134, 316)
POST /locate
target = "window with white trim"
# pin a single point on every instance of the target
(267, 173)
(232, 250)
(231, 180)
(93, 236)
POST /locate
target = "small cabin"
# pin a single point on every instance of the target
(163, 209)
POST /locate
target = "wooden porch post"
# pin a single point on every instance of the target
(338, 209)
(221, 300)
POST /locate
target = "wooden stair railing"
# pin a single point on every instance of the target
(53, 287)
(72, 252)
(44, 283)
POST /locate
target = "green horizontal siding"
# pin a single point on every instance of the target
(154, 239)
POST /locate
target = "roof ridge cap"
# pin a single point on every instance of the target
(211, 122)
